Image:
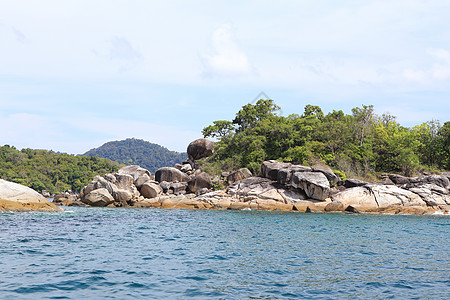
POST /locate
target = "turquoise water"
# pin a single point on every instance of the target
(118, 253)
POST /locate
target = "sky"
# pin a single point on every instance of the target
(77, 74)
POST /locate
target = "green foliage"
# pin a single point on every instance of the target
(138, 152)
(42, 169)
(357, 145)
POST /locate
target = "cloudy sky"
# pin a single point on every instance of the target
(76, 74)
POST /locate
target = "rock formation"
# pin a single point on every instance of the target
(281, 186)
(16, 197)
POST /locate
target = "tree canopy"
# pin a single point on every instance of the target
(358, 144)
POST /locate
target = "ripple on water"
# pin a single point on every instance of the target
(151, 253)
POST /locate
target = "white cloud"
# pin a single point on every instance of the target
(227, 57)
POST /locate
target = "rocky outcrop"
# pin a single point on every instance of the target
(315, 184)
(200, 148)
(18, 198)
(170, 174)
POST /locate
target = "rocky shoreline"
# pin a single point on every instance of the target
(281, 186)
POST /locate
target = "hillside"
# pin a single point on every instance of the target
(47, 170)
(138, 152)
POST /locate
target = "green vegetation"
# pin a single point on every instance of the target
(47, 170)
(138, 152)
(356, 145)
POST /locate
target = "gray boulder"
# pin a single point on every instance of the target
(135, 171)
(200, 148)
(98, 197)
(170, 174)
(151, 190)
(270, 168)
(199, 182)
(284, 175)
(315, 184)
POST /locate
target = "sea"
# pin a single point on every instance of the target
(129, 253)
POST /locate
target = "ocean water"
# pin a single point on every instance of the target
(114, 253)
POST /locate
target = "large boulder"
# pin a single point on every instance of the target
(199, 182)
(284, 175)
(17, 197)
(151, 190)
(315, 184)
(98, 197)
(238, 175)
(200, 148)
(134, 170)
(376, 198)
(270, 168)
(63, 199)
(328, 172)
(170, 174)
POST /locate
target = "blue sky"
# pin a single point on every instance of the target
(76, 74)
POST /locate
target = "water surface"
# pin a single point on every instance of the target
(152, 253)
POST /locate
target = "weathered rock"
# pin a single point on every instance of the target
(238, 175)
(284, 175)
(349, 183)
(135, 171)
(123, 180)
(433, 195)
(151, 190)
(377, 198)
(98, 197)
(202, 191)
(178, 188)
(335, 206)
(315, 184)
(165, 186)
(170, 174)
(184, 203)
(17, 197)
(360, 198)
(398, 179)
(138, 182)
(387, 195)
(178, 166)
(122, 195)
(186, 168)
(200, 148)
(101, 183)
(270, 168)
(199, 182)
(332, 178)
(63, 199)
(439, 180)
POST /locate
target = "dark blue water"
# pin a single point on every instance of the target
(176, 254)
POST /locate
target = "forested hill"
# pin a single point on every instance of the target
(47, 170)
(138, 152)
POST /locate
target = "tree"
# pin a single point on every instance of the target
(364, 118)
(219, 129)
(250, 114)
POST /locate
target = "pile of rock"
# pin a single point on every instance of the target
(133, 184)
(281, 186)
